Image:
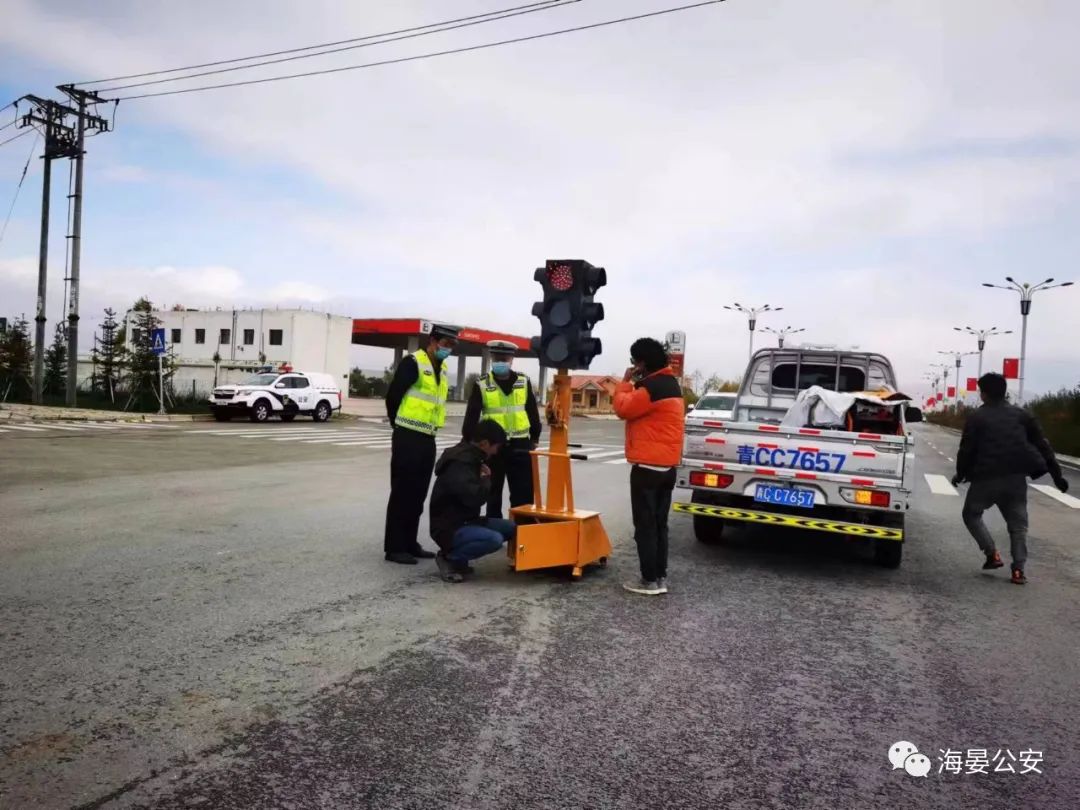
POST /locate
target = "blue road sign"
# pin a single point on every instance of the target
(159, 347)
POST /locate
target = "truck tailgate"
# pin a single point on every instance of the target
(867, 459)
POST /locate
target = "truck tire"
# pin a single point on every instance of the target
(708, 530)
(260, 411)
(888, 553)
(322, 411)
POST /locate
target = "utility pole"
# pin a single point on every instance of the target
(59, 142)
(84, 122)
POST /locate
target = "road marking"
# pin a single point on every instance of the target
(345, 434)
(1053, 492)
(940, 485)
(377, 446)
(24, 427)
(617, 461)
(59, 427)
(606, 454)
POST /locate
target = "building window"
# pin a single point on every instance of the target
(175, 335)
(225, 337)
(249, 337)
(200, 336)
(275, 337)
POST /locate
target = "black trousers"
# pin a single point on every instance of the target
(412, 460)
(650, 502)
(512, 465)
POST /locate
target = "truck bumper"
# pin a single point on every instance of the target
(816, 524)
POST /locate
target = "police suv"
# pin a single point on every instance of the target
(282, 394)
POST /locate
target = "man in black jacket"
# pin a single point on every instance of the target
(1002, 445)
(462, 487)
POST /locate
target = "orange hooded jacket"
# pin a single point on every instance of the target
(654, 412)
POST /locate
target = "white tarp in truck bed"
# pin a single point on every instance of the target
(820, 407)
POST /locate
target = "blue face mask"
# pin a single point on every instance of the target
(500, 369)
(442, 353)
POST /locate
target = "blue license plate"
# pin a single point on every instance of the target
(782, 496)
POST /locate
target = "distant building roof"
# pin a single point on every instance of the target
(602, 382)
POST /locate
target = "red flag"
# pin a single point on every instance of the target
(952, 391)
(1012, 368)
(940, 396)
(973, 384)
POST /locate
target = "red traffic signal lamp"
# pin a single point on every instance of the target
(568, 313)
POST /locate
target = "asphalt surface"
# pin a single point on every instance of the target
(196, 619)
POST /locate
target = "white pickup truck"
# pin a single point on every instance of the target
(852, 479)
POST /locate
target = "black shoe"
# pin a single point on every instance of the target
(422, 553)
(447, 570)
(463, 568)
(401, 557)
(993, 560)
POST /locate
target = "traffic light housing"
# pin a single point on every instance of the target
(568, 313)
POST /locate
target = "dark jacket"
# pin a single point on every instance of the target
(475, 409)
(460, 492)
(1000, 440)
(655, 414)
(406, 373)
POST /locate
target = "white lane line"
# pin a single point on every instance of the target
(24, 427)
(332, 439)
(99, 426)
(59, 427)
(940, 485)
(606, 454)
(947, 458)
(378, 446)
(617, 461)
(1061, 497)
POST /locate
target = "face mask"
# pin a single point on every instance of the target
(442, 353)
(500, 369)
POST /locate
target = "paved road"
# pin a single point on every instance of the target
(203, 619)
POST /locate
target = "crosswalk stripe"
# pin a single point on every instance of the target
(52, 426)
(375, 446)
(1061, 497)
(28, 429)
(309, 437)
(100, 426)
(940, 485)
(617, 461)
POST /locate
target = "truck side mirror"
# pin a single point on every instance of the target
(912, 415)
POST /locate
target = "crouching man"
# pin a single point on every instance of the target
(462, 488)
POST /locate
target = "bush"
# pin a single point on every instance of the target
(1059, 415)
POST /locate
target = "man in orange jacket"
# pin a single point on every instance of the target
(650, 401)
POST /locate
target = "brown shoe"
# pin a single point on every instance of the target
(1018, 577)
(993, 561)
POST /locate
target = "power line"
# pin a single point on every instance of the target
(430, 55)
(18, 188)
(321, 45)
(16, 137)
(335, 50)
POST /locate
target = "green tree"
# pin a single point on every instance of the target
(16, 361)
(108, 355)
(55, 381)
(141, 379)
(718, 383)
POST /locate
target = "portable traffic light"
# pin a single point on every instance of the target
(568, 313)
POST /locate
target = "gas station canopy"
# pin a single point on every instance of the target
(406, 334)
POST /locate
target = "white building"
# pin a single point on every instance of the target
(245, 339)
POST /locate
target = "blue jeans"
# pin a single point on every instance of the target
(480, 539)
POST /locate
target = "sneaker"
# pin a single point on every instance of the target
(1018, 577)
(993, 561)
(401, 558)
(447, 570)
(662, 583)
(643, 587)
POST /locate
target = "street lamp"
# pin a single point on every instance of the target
(1027, 291)
(982, 335)
(752, 316)
(959, 358)
(781, 334)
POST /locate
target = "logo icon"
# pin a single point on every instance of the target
(905, 755)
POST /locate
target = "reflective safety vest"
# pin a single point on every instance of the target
(423, 408)
(507, 410)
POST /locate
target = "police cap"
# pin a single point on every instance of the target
(501, 348)
(441, 331)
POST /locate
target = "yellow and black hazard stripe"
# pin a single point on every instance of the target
(791, 521)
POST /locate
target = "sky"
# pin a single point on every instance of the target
(865, 166)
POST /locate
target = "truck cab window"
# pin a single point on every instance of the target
(851, 378)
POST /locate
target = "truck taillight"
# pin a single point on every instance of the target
(867, 497)
(709, 479)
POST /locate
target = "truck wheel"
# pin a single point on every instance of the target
(708, 530)
(322, 412)
(260, 411)
(223, 416)
(888, 553)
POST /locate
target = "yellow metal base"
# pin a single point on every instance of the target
(794, 521)
(555, 539)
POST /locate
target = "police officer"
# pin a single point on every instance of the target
(416, 406)
(506, 397)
